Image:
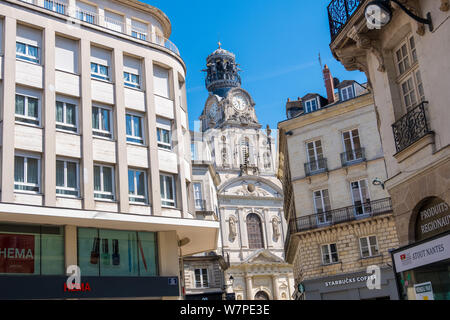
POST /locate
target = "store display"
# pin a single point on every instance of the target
(105, 252)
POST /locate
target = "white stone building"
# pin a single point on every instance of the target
(95, 163)
(253, 227)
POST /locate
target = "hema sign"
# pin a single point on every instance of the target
(422, 254)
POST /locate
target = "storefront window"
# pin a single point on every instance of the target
(117, 253)
(31, 249)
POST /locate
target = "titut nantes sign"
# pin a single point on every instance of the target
(17, 253)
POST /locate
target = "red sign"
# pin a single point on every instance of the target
(16, 253)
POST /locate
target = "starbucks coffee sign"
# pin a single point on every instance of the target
(433, 218)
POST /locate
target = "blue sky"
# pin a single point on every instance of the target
(277, 44)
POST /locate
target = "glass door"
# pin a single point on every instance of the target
(322, 206)
(361, 197)
(352, 145)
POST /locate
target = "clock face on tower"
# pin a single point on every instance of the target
(240, 102)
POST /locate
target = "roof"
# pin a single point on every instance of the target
(345, 83)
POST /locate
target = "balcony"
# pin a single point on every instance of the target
(352, 157)
(336, 216)
(339, 13)
(411, 127)
(316, 167)
(63, 8)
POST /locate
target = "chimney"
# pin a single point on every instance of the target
(329, 84)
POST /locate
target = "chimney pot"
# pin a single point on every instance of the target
(289, 99)
(329, 84)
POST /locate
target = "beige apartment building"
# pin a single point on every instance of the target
(406, 61)
(339, 221)
(95, 162)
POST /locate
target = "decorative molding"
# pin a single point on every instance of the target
(365, 43)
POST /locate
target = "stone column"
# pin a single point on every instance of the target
(248, 281)
(8, 104)
(49, 119)
(87, 158)
(153, 159)
(120, 132)
(276, 294)
(70, 245)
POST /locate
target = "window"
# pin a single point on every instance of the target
(131, 80)
(137, 186)
(254, 232)
(310, 105)
(67, 178)
(28, 44)
(66, 116)
(114, 21)
(101, 122)
(27, 52)
(66, 55)
(329, 253)
(139, 30)
(117, 253)
(347, 93)
(103, 182)
(134, 128)
(56, 6)
(27, 109)
(161, 82)
(164, 133)
(322, 205)
(198, 196)
(368, 246)
(167, 185)
(36, 250)
(245, 151)
(315, 155)
(99, 71)
(27, 173)
(409, 77)
(86, 12)
(361, 197)
(352, 145)
(201, 278)
(194, 152)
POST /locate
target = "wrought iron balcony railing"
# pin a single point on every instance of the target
(339, 13)
(353, 156)
(411, 127)
(316, 167)
(336, 216)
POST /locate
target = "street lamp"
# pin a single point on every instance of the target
(379, 13)
(378, 182)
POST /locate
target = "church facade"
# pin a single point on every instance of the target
(250, 197)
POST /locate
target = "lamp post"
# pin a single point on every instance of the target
(379, 13)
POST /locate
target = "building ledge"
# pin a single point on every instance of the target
(420, 144)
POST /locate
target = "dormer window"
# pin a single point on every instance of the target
(347, 93)
(311, 105)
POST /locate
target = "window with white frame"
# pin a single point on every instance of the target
(86, 12)
(347, 93)
(310, 105)
(161, 81)
(322, 205)
(134, 128)
(167, 185)
(66, 116)
(137, 186)
(315, 155)
(329, 253)
(67, 173)
(27, 173)
(361, 197)
(104, 182)
(201, 278)
(27, 109)
(56, 6)
(368, 246)
(198, 196)
(66, 54)
(164, 133)
(131, 80)
(28, 44)
(27, 52)
(352, 145)
(131, 72)
(139, 30)
(114, 21)
(101, 121)
(99, 71)
(408, 73)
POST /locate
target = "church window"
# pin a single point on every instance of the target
(254, 232)
(245, 150)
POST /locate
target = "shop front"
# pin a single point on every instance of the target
(112, 264)
(423, 267)
(352, 286)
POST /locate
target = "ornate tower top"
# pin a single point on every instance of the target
(222, 72)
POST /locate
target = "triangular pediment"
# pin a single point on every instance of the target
(263, 256)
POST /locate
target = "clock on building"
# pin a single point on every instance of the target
(239, 102)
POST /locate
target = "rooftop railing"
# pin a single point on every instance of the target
(62, 7)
